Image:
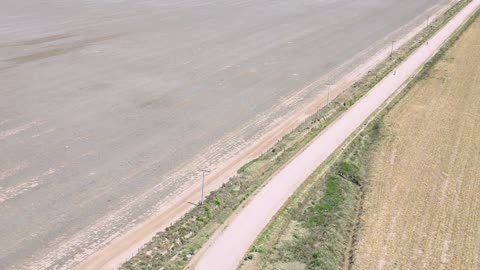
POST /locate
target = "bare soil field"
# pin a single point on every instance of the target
(422, 210)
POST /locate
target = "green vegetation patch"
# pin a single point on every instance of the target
(315, 229)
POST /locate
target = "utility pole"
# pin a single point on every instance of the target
(203, 183)
(328, 93)
(391, 51)
(428, 25)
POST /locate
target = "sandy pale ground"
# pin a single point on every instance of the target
(423, 207)
(108, 108)
(227, 249)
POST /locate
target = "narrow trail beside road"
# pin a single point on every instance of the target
(228, 248)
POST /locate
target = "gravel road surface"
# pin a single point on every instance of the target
(227, 250)
(101, 101)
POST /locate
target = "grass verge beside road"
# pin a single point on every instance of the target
(173, 248)
(315, 229)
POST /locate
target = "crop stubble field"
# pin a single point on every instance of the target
(421, 210)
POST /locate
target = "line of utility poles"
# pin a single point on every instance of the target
(329, 86)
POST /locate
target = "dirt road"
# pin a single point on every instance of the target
(422, 210)
(108, 108)
(229, 247)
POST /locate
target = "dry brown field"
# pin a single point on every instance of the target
(422, 208)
